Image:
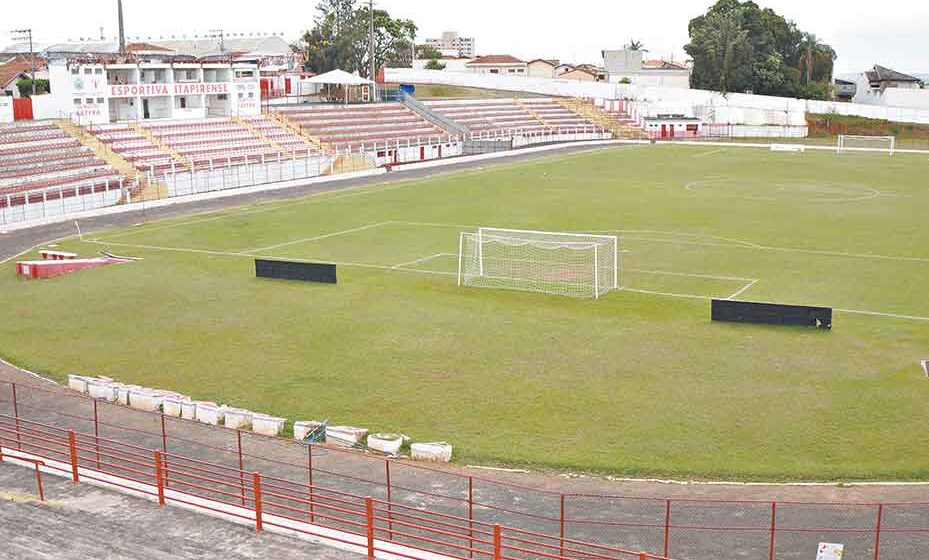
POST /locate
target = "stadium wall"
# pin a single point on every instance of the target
(714, 107)
(6, 109)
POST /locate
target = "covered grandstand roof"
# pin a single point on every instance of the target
(246, 48)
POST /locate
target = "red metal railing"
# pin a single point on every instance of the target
(692, 528)
(271, 501)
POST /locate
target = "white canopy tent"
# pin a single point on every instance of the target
(342, 79)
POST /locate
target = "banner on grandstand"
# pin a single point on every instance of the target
(152, 90)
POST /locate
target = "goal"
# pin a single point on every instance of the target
(568, 264)
(867, 143)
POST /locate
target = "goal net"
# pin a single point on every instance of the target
(867, 143)
(568, 264)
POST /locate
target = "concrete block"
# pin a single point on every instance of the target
(189, 410)
(210, 413)
(385, 443)
(173, 405)
(100, 389)
(238, 418)
(144, 399)
(302, 428)
(433, 451)
(78, 382)
(345, 435)
(267, 425)
(123, 392)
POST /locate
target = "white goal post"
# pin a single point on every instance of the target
(849, 142)
(569, 264)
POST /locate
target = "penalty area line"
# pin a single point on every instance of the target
(743, 289)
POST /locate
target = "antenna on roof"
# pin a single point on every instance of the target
(218, 34)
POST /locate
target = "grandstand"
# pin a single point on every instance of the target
(352, 126)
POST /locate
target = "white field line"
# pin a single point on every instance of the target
(424, 259)
(667, 294)
(743, 289)
(689, 275)
(711, 152)
(317, 238)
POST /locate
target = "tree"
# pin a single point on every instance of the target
(340, 36)
(427, 52)
(635, 45)
(738, 46)
(24, 85)
(434, 65)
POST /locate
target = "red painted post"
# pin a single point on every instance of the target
(369, 521)
(96, 434)
(256, 490)
(159, 478)
(19, 444)
(72, 447)
(562, 525)
(877, 532)
(643, 556)
(38, 482)
(309, 478)
(238, 437)
(773, 529)
(498, 548)
(667, 527)
(470, 517)
(390, 517)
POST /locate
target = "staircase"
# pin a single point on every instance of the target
(146, 190)
(257, 133)
(532, 113)
(600, 117)
(294, 128)
(157, 142)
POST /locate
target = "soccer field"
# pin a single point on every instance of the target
(639, 382)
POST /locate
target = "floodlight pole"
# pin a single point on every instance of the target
(371, 77)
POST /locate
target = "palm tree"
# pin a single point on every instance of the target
(814, 55)
(635, 45)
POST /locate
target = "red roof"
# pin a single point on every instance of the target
(14, 67)
(496, 59)
(663, 65)
(146, 47)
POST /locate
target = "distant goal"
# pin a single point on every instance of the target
(847, 143)
(567, 264)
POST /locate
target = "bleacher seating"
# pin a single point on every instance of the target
(350, 126)
(202, 142)
(37, 155)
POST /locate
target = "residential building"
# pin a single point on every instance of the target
(541, 68)
(451, 41)
(579, 74)
(502, 64)
(883, 86)
(843, 90)
(19, 67)
(630, 66)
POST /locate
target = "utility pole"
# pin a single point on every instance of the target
(26, 35)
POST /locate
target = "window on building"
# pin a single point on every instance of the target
(99, 101)
(77, 101)
(87, 71)
(251, 95)
(183, 102)
(494, 71)
(98, 70)
(222, 97)
(89, 101)
(75, 71)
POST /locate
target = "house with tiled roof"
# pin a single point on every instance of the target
(628, 66)
(541, 68)
(19, 67)
(884, 86)
(503, 64)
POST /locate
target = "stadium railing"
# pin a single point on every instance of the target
(369, 524)
(661, 526)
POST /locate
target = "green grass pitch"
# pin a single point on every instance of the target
(637, 383)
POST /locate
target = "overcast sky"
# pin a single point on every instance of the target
(573, 31)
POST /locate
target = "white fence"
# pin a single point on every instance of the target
(732, 108)
(60, 201)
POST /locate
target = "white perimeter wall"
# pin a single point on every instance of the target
(713, 107)
(6, 109)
